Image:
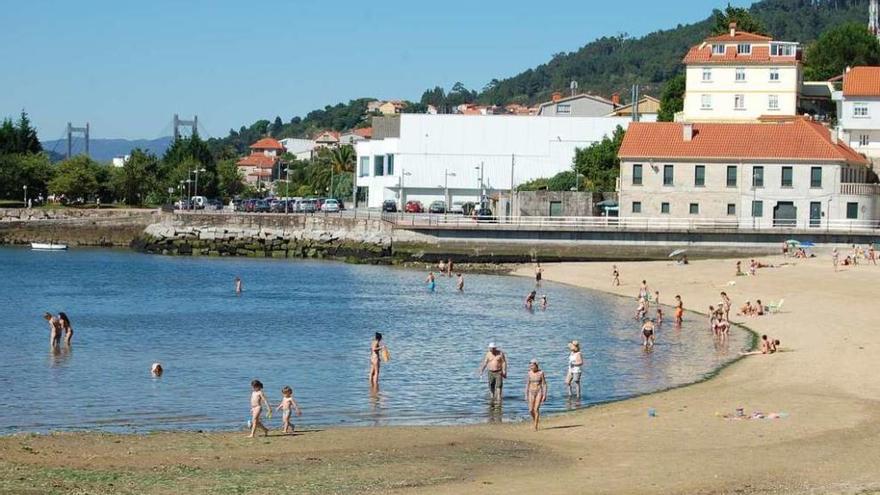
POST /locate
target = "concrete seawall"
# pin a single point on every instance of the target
(109, 227)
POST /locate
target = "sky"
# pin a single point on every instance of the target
(127, 67)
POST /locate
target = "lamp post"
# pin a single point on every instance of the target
(180, 190)
(25, 195)
(447, 174)
(403, 173)
(286, 188)
(188, 193)
(481, 169)
(196, 191)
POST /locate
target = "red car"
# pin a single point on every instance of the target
(413, 207)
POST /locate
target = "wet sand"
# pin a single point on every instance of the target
(824, 380)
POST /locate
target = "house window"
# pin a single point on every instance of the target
(664, 208)
(860, 110)
(389, 161)
(731, 176)
(364, 168)
(707, 74)
(757, 209)
(637, 206)
(740, 74)
(786, 176)
(774, 74)
(739, 102)
(852, 211)
(694, 208)
(667, 175)
(700, 175)
(379, 165)
(864, 140)
(731, 208)
(744, 49)
(706, 102)
(757, 176)
(816, 177)
(563, 109)
(718, 49)
(773, 102)
(777, 50)
(637, 174)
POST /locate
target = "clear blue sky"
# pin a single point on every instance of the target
(126, 67)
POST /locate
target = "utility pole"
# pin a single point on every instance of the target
(512, 184)
(70, 131)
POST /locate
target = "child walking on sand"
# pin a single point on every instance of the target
(287, 406)
(258, 398)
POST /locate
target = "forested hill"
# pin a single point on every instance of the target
(613, 64)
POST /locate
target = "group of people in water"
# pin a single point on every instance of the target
(59, 325)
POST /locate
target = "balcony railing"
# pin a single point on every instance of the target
(854, 189)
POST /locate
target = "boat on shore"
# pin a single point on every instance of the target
(48, 246)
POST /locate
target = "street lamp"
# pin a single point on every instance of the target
(447, 174)
(481, 169)
(403, 173)
(286, 188)
(196, 192)
(25, 195)
(180, 189)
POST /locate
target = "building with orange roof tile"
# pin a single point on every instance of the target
(262, 164)
(739, 77)
(789, 173)
(858, 110)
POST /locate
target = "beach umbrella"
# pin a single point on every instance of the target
(677, 252)
(793, 242)
(807, 244)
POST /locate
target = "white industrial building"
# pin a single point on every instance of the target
(428, 155)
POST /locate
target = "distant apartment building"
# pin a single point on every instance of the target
(794, 173)
(300, 148)
(647, 109)
(421, 157)
(261, 164)
(858, 110)
(582, 105)
(741, 77)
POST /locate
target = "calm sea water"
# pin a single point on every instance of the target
(307, 325)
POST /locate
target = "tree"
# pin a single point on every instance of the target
(184, 157)
(230, 179)
(77, 178)
(340, 159)
(599, 163)
(741, 16)
(137, 179)
(672, 98)
(18, 170)
(19, 137)
(844, 46)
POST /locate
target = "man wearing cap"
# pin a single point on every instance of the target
(496, 363)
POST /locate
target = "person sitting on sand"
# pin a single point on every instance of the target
(759, 308)
(768, 346)
(746, 309)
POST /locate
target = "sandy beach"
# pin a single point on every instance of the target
(823, 380)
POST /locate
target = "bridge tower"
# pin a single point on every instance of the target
(192, 124)
(70, 131)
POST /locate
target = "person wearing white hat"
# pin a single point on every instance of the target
(495, 362)
(575, 363)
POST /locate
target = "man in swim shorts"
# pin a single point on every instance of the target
(495, 362)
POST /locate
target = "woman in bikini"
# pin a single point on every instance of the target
(65, 326)
(536, 391)
(375, 348)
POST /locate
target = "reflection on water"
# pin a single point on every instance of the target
(307, 325)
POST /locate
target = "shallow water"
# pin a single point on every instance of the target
(307, 325)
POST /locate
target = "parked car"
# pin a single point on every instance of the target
(437, 207)
(330, 206)
(319, 203)
(468, 208)
(389, 206)
(248, 205)
(309, 206)
(413, 207)
(484, 213)
(182, 204)
(199, 202)
(261, 206)
(457, 207)
(278, 206)
(214, 204)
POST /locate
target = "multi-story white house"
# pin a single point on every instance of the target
(794, 173)
(858, 110)
(740, 77)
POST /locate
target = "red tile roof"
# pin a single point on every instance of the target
(799, 140)
(366, 132)
(738, 36)
(258, 160)
(702, 54)
(862, 81)
(334, 134)
(267, 144)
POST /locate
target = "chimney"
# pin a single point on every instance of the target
(556, 96)
(615, 98)
(733, 29)
(687, 131)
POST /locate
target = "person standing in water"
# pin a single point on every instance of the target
(495, 362)
(679, 310)
(238, 285)
(54, 329)
(449, 266)
(432, 284)
(460, 283)
(375, 359)
(648, 331)
(539, 273)
(65, 326)
(536, 391)
(530, 299)
(575, 368)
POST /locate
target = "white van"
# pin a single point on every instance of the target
(199, 202)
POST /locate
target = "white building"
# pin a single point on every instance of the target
(794, 173)
(300, 148)
(740, 77)
(430, 153)
(120, 161)
(858, 110)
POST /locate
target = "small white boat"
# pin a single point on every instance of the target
(51, 246)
